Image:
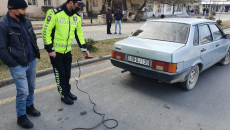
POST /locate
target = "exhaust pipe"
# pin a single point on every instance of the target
(123, 71)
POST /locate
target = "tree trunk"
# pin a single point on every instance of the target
(87, 6)
(173, 10)
(125, 8)
(139, 10)
(109, 2)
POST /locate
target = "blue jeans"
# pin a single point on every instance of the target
(24, 78)
(118, 22)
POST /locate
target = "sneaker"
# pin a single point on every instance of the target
(24, 122)
(115, 33)
(67, 100)
(32, 111)
(72, 97)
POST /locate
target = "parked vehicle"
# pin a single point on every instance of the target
(173, 50)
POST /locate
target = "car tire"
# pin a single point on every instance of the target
(226, 59)
(192, 79)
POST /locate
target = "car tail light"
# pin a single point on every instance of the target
(163, 66)
(118, 55)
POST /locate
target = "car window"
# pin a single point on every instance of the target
(196, 36)
(217, 34)
(164, 31)
(205, 34)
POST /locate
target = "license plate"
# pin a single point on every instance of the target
(138, 60)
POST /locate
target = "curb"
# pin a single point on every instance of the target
(41, 25)
(50, 70)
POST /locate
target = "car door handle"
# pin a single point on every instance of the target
(203, 50)
(217, 45)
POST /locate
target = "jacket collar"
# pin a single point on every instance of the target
(13, 23)
(66, 10)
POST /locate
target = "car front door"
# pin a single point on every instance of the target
(207, 46)
(220, 41)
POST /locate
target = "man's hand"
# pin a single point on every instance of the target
(52, 54)
(87, 54)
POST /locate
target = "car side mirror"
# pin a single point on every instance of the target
(227, 36)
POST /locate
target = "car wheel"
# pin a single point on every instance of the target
(226, 59)
(192, 79)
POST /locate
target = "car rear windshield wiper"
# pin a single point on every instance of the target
(137, 32)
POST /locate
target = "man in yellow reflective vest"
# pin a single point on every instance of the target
(61, 26)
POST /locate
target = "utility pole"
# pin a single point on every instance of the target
(210, 10)
(91, 11)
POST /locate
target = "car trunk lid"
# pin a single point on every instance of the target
(150, 49)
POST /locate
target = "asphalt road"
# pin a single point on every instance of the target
(136, 102)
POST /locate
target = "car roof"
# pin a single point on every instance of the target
(191, 21)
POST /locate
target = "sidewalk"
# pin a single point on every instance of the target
(99, 32)
(40, 23)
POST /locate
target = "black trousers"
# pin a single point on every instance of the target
(109, 24)
(62, 71)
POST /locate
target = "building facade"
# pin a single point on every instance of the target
(34, 6)
(97, 6)
(216, 5)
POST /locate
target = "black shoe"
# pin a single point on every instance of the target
(67, 100)
(32, 111)
(119, 33)
(24, 122)
(72, 97)
(115, 33)
(109, 33)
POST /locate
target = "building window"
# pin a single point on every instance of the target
(47, 2)
(95, 3)
(32, 2)
(178, 8)
(168, 9)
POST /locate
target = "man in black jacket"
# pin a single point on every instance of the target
(109, 20)
(118, 17)
(19, 50)
(204, 11)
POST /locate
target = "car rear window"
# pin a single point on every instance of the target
(164, 31)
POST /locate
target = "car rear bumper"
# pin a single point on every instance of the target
(151, 73)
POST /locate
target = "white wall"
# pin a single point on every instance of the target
(32, 10)
(171, 12)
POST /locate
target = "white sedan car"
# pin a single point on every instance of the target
(173, 50)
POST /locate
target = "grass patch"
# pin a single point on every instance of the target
(101, 48)
(90, 23)
(225, 24)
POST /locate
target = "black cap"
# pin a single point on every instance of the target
(118, 7)
(80, 2)
(17, 4)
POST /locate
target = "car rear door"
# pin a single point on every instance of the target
(207, 46)
(219, 40)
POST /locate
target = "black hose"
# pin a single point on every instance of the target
(94, 105)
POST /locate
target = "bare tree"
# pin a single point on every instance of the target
(139, 10)
(125, 8)
(175, 2)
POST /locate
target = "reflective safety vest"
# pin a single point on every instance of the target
(59, 30)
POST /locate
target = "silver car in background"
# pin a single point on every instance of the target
(173, 50)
